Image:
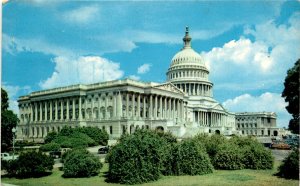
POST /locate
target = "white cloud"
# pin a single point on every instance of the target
(144, 68)
(88, 69)
(134, 77)
(14, 45)
(269, 102)
(81, 15)
(265, 60)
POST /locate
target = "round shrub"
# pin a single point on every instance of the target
(81, 163)
(99, 136)
(290, 166)
(50, 137)
(257, 157)
(212, 144)
(50, 147)
(189, 159)
(137, 158)
(229, 157)
(30, 164)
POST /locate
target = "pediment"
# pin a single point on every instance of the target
(218, 107)
(169, 87)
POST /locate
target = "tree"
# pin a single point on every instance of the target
(9, 120)
(291, 95)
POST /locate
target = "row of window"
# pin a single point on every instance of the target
(246, 125)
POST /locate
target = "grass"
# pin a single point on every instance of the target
(219, 177)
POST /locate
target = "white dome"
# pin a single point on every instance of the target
(187, 56)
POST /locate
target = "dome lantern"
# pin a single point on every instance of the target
(187, 39)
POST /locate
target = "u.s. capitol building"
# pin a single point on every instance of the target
(184, 104)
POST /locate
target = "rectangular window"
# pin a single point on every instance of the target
(111, 130)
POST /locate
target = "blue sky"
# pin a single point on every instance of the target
(247, 45)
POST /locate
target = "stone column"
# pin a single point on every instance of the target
(106, 105)
(166, 110)
(61, 110)
(151, 107)
(182, 111)
(31, 113)
(155, 107)
(144, 106)
(169, 109)
(51, 110)
(79, 109)
(160, 108)
(174, 108)
(41, 111)
(73, 109)
(133, 105)
(127, 104)
(56, 110)
(178, 110)
(139, 106)
(68, 102)
(114, 105)
(119, 105)
(46, 114)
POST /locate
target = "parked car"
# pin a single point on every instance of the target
(280, 145)
(5, 156)
(55, 154)
(103, 150)
(59, 153)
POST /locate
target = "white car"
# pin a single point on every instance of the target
(5, 156)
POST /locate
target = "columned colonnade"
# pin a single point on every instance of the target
(210, 119)
(38, 117)
(196, 89)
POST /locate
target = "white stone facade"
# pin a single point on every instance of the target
(183, 105)
(257, 124)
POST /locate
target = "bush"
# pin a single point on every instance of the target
(229, 157)
(189, 159)
(290, 166)
(137, 158)
(211, 144)
(255, 155)
(30, 164)
(81, 163)
(49, 147)
(98, 135)
(50, 137)
(74, 140)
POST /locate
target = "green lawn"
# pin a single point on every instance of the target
(219, 177)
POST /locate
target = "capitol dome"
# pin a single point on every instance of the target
(188, 71)
(187, 55)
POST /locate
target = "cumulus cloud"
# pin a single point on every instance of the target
(88, 69)
(264, 60)
(81, 15)
(269, 102)
(144, 68)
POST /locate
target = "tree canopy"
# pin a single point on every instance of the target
(9, 120)
(291, 96)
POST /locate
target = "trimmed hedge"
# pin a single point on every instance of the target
(255, 155)
(138, 158)
(229, 157)
(81, 163)
(30, 164)
(49, 147)
(189, 159)
(289, 168)
(78, 137)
